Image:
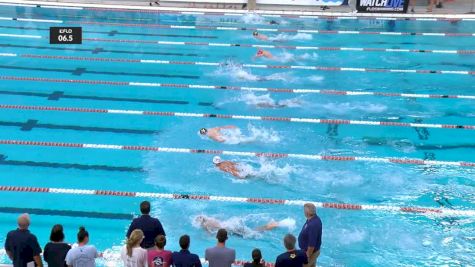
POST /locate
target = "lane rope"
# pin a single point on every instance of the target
(240, 117)
(395, 160)
(239, 88)
(426, 211)
(292, 47)
(219, 28)
(259, 66)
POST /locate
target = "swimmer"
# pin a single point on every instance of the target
(263, 53)
(215, 133)
(211, 225)
(259, 36)
(273, 22)
(229, 167)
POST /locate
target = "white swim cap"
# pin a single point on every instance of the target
(216, 160)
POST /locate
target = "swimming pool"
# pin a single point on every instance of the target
(351, 103)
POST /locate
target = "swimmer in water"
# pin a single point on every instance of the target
(259, 36)
(215, 133)
(211, 225)
(263, 53)
(229, 167)
(273, 22)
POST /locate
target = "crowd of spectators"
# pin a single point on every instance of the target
(145, 246)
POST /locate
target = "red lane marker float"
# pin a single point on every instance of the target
(218, 28)
(239, 117)
(224, 87)
(316, 157)
(318, 68)
(262, 201)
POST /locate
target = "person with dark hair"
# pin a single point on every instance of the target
(256, 259)
(220, 255)
(151, 227)
(160, 257)
(184, 258)
(293, 257)
(83, 255)
(22, 246)
(56, 250)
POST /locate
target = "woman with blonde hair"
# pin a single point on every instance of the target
(132, 254)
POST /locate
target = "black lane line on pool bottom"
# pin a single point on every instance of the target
(115, 32)
(84, 167)
(68, 213)
(31, 124)
(98, 50)
(58, 95)
(80, 71)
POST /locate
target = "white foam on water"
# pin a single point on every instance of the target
(268, 170)
(234, 136)
(316, 78)
(348, 237)
(266, 101)
(288, 223)
(309, 56)
(238, 73)
(346, 107)
(291, 37)
(253, 18)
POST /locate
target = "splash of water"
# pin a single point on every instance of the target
(237, 72)
(291, 37)
(345, 108)
(235, 136)
(266, 101)
(253, 18)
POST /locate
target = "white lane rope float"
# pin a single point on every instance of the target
(277, 30)
(233, 199)
(316, 157)
(292, 47)
(259, 66)
(238, 117)
(239, 88)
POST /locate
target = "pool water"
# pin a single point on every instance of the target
(350, 238)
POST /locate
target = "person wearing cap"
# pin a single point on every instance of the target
(215, 133)
(220, 255)
(310, 237)
(260, 36)
(263, 53)
(229, 167)
(21, 246)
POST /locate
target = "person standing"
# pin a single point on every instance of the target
(160, 257)
(293, 257)
(184, 258)
(56, 250)
(83, 255)
(132, 254)
(256, 259)
(151, 227)
(22, 246)
(310, 237)
(220, 255)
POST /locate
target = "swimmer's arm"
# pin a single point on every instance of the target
(271, 225)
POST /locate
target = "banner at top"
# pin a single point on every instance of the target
(301, 2)
(382, 6)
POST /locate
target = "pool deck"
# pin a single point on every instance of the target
(453, 9)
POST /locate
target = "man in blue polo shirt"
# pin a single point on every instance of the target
(293, 257)
(151, 227)
(310, 237)
(184, 258)
(22, 246)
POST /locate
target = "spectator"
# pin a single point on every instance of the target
(132, 254)
(184, 258)
(83, 255)
(151, 227)
(160, 257)
(256, 259)
(56, 250)
(310, 237)
(291, 258)
(220, 256)
(22, 246)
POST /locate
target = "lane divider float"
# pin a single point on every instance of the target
(426, 211)
(239, 117)
(259, 66)
(239, 88)
(395, 160)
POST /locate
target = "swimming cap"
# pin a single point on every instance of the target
(203, 131)
(216, 160)
(260, 52)
(255, 33)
